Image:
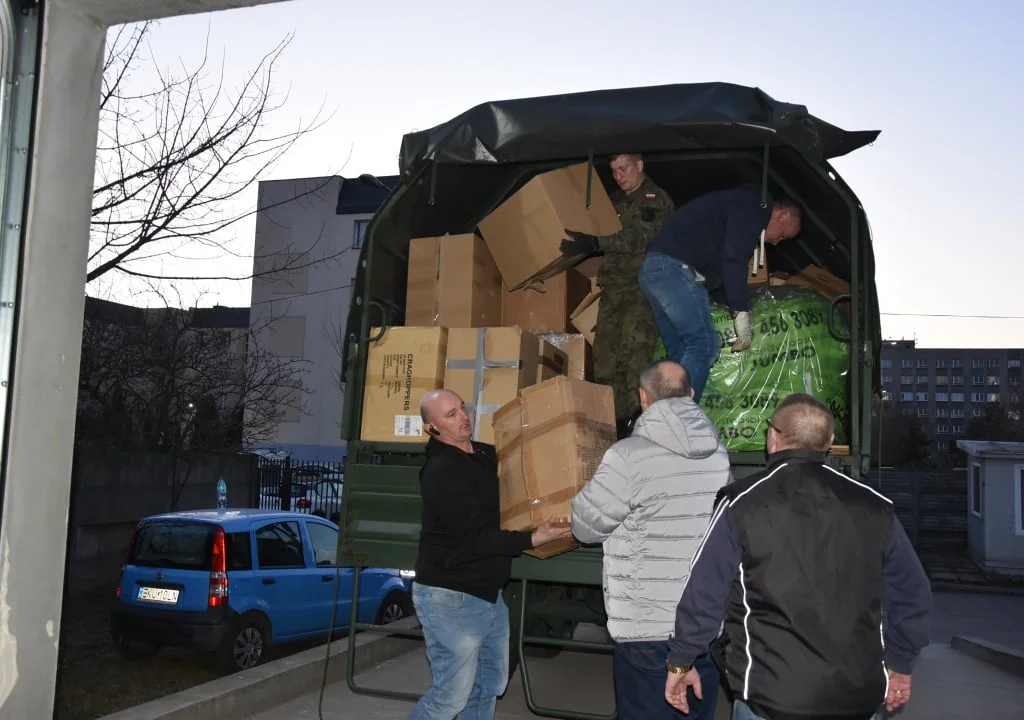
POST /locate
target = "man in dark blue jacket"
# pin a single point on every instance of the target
(704, 246)
(802, 563)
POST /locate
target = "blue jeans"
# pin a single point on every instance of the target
(682, 312)
(467, 647)
(742, 711)
(640, 676)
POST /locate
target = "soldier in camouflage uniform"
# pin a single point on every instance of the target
(625, 334)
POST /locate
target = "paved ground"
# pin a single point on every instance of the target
(947, 684)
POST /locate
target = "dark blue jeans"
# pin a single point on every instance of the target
(682, 311)
(640, 676)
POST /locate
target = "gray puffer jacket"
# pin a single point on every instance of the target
(650, 502)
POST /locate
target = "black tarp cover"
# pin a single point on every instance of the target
(661, 118)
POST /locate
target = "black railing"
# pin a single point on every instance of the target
(309, 487)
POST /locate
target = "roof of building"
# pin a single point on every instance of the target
(991, 448)
(97, 310)
(359, 197)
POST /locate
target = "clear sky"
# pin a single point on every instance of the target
(944, 82)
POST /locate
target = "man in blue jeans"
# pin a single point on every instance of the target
(464, 561)
(648, 502)
(704, 246)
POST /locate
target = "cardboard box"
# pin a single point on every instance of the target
(551, 361)
(550, 441)
(452, 282)
(577, 351)
(825, 283)
(545, 307)
(524, 233)
(584, 317)
(403, 365)
(487, 367)
(590, 268)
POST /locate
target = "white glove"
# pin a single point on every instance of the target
(744, 332)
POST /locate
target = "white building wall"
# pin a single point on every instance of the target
(301, 313)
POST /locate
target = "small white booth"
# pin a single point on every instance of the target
(995, 504)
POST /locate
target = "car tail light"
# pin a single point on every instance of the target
(303, 503)
(218, 571)
(126, 559)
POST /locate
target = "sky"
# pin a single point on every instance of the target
(943, 82)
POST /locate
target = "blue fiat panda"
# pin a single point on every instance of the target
(234, 582)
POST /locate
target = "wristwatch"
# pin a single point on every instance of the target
(676, 670)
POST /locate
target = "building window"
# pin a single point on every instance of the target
(922, 412)
(1013, 415)
(942, 379)
(956, 412)
(993, 364)
(942, 412)
(942, 445)
(958, 379)
(1014, 399)
(922, 379)
(906, 397)
(992, 381)
(956, 397)
(940, 363)
(922, 397)
(1018, 491)
(907, 412)
(942, 429)
(977, 379)
(360, 234)
(1013, 364)
(976, 490)
(941, 397)
(956, 363)
(886, 394)
(886, 379)
(906, 379)
(888, 363)
(978, 397)
(922, 363)
(906, 363)
(977, 364)
(958, 428)
(977, 412)
(992, 397)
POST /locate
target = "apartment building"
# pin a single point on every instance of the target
(309, 232)
(947, 388)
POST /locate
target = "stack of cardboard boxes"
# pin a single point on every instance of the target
(505, 321)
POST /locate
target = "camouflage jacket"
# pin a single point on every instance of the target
(641, 213)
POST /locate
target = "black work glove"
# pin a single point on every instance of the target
(579, 244)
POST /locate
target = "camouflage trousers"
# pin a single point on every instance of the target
(625, 337)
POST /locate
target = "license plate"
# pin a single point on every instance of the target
(158, 595)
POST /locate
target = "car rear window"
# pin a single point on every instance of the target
(182, 545)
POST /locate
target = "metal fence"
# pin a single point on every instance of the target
(931, 504)
(308, 487)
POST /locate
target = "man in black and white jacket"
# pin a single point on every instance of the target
(802, 563)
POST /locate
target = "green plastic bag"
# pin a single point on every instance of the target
(792, 351)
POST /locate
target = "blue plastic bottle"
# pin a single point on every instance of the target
(222, 494)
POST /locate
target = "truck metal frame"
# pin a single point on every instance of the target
(381, 510)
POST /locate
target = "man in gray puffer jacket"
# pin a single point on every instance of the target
(650, 502)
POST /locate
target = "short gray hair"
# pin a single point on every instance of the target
(665, 379)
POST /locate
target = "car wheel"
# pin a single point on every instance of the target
(396, 606)
(246, 644)
(134, 650)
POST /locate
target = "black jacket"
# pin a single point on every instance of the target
(801, 561)
(462, 546)
(716, 234)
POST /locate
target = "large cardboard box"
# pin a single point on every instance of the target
(487, 367)
(452, 282)
(551, 361)
(524, 233)
(816, 278)
(577, 351)
(550, 441)
(403, 365)
(545, 307)
(584, 317)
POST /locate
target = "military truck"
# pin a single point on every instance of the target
(694, 138)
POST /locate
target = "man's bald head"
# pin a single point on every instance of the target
(444, 411)
(662, 380)
(802, 422)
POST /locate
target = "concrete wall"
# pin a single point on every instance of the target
(112, 490)
(297, 224)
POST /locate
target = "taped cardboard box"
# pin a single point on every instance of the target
(452, 282)
(403, 365)
(577, 351)
(487, 367)
(545, 307)
(551, 361)
(584, 317)
(524, 233)
(550, 441)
